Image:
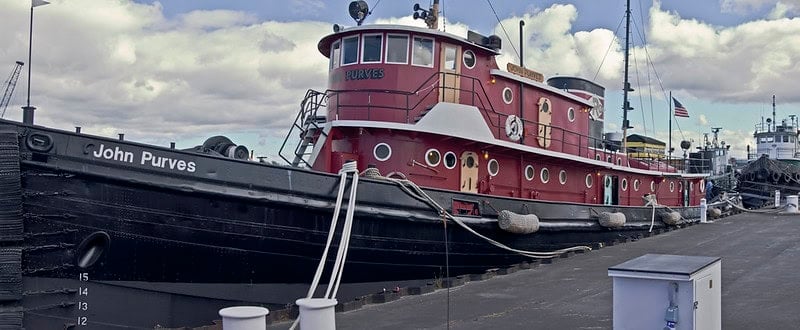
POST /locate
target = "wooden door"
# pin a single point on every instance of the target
(469, 172)
(450, 70)
(545, 120)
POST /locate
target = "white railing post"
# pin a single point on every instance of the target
(703, 211)
(777, 198)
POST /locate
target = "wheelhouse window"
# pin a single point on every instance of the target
(423, 52)
(336, 54)
(349, 50)
(371, 48)
(397, 49)
(450, 58)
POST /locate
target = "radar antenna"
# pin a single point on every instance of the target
(715, 130)
(10, 85)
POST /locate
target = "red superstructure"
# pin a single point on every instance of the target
(436, 108)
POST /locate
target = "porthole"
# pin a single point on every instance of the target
(671, 186)
(508, 95)
(636, 185)
(652, 186)
(589, 180)
(470, 162)
(571, 114)
(562, 177)
(493, 167)
(619, 161)
(469, 59)
(433, 157)
(702, 186)
(544, 175)
(382, 151)
(529, 172)
(597, 157)
(450, 160)
(624, 184)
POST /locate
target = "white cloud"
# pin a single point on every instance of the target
(744, 6)
(702, 120)
(126, 68)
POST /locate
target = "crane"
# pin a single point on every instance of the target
(10, 84)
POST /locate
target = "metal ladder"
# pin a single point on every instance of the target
(308, 127)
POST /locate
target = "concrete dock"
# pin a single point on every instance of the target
(760, 284)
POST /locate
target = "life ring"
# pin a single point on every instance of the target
(514, 128)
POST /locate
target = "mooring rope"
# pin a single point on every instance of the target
(413, 190)
(344, 243)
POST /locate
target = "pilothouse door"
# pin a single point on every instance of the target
(469, 172)
(450, 68)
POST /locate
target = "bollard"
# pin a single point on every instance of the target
(703, 211)
(317, 313)
(777, 198)
(791, 204)
(244, 318)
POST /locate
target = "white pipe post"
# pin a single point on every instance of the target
(317, 313)
(703, 211)
(244, 318)
(777, 198)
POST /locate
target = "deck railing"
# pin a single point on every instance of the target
(411, 106)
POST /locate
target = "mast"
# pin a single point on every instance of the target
(626, 86)
(670, 125)
(775, 123)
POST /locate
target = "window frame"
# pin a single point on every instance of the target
(433, 51)
(386, 53)
(364, 44)
(358, 47)
(335, 63)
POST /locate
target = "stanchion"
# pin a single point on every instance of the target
(703, 211)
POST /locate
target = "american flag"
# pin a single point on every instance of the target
(680, 111)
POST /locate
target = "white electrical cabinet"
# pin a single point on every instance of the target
(657, 291)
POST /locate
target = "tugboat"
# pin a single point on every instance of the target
(775, 164)
(466, 167)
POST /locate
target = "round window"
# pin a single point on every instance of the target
(433, 157)
(529, 172)
(652, 186)
(545, 175)
(469, 59)
(382, 151)
(450, 160)
(508, 95)
(624, 184)
(589, 180)
(470, 163)
(702, 186)
(671, 186)
(493, 167)
(636, 184)
(562, 177)
(571, 114)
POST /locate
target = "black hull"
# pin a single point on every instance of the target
(237, 222)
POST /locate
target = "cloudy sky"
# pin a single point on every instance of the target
(183, 70)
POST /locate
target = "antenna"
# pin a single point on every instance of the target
(715, 130)
(359, 10)
(773, 110)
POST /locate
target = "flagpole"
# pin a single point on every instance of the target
(27, 110)
(670, 125)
